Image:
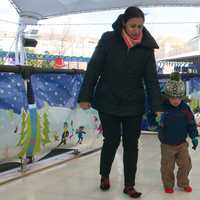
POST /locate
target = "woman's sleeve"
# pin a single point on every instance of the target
(152, 84)
(94, 69)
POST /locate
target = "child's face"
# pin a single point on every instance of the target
(175, 101)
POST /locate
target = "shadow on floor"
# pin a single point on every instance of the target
(8, 166)
(11, 165)
(55, 152)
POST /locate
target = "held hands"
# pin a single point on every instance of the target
(85, 105)
(194, 143)
(159, 118)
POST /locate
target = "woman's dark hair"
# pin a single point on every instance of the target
(132, 12)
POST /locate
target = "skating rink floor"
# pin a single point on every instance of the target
(78, 179)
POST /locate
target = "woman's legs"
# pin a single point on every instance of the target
(131, 132)
(111, 126)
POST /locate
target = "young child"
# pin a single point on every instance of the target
(176, 123)
(80, 131)
(65, 134)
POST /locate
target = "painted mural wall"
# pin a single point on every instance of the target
(53, 121)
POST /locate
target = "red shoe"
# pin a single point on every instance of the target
(169, 190)
(188, 188)
(105, 183)
(129, 190)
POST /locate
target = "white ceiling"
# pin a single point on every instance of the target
(41, 9)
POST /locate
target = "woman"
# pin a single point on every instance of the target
(122, 64)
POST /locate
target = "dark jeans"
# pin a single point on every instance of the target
(115, 127)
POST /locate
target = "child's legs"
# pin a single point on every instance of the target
(184, 165)
(167, 165)
(81, 140)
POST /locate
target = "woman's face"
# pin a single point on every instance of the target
(134, 26)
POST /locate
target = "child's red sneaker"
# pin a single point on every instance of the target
(188, 188)
(105, 183)
(169, 190)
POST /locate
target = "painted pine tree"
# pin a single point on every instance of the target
(23, 125)
(26, 138)
(194, 103)
(45, 138)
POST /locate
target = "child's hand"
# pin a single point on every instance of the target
(194, 143)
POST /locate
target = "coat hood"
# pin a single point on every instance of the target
(147, 40)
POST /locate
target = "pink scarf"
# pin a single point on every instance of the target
(130, 42)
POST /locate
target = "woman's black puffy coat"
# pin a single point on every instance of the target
(116, 76)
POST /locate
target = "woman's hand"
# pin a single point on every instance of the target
(85, 105)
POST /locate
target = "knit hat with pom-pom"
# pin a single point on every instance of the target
(175, 87)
